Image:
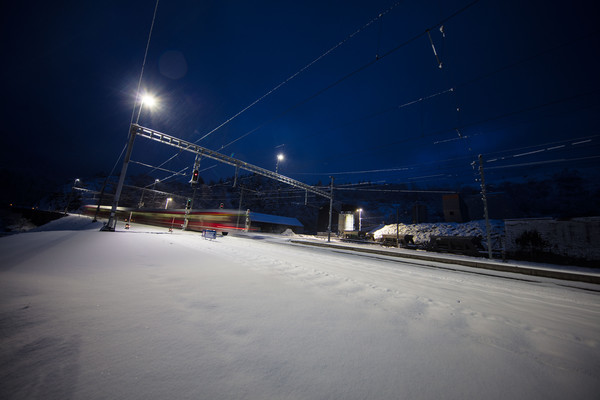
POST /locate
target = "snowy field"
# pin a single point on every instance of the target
(144, 314)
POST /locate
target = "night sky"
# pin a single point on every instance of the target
(350, 89)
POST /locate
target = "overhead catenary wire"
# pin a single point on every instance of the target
(556, 160)
(491, 158)
(179, 174)
(477, 123)
(165, 162)
(352, 73)
(549, 146)
(301, 70)
(454, 139)
(139, 85)
(397, 190)
(363, 67)
(155, 168)
(459, 125)
(132, 113)
(554, 145)
(378, 113)
(350, 36)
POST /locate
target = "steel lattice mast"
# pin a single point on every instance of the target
(138, 130)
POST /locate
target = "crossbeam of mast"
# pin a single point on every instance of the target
(204, 152)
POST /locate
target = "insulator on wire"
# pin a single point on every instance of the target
(434, 51)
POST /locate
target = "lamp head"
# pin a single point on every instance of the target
(148, 100)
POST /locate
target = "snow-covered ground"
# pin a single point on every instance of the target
(144, 314)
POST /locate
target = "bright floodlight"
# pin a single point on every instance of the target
(148, 100)
(280, 157)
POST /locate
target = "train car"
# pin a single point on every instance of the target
(220, 220)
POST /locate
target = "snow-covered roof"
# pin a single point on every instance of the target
(274, 219)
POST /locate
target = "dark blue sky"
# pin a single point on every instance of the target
(518, 83)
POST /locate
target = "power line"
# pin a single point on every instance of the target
(397, 190)
(144, 63)
(455, 168)
(461, 126)
(463, 84)
(479, 122)
(555, 145)
(460, 136)
(155, 168)
(377, 113)
(380, 15)
(349, 75)
(558, 160)
(112, 219)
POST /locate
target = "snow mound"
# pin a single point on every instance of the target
(288, 232)
(21, 225)
(422, 232)
(70, 223)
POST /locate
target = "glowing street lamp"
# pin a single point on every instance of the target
(147, 100)
(359, 219)
(280, 157)
(167, 203)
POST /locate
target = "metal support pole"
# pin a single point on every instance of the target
(397, 227)
(112, 220)
(186, 216)
(330, 210)
(100, 199)
(485, 208)
(70, 195)
(154, 192)
(359, 221)
(237, 224)
(141, 202)
(248, 222)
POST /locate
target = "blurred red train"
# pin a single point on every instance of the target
(220, 220)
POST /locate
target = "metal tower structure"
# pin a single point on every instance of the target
(138, 130)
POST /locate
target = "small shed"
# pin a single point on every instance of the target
(273, 223)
